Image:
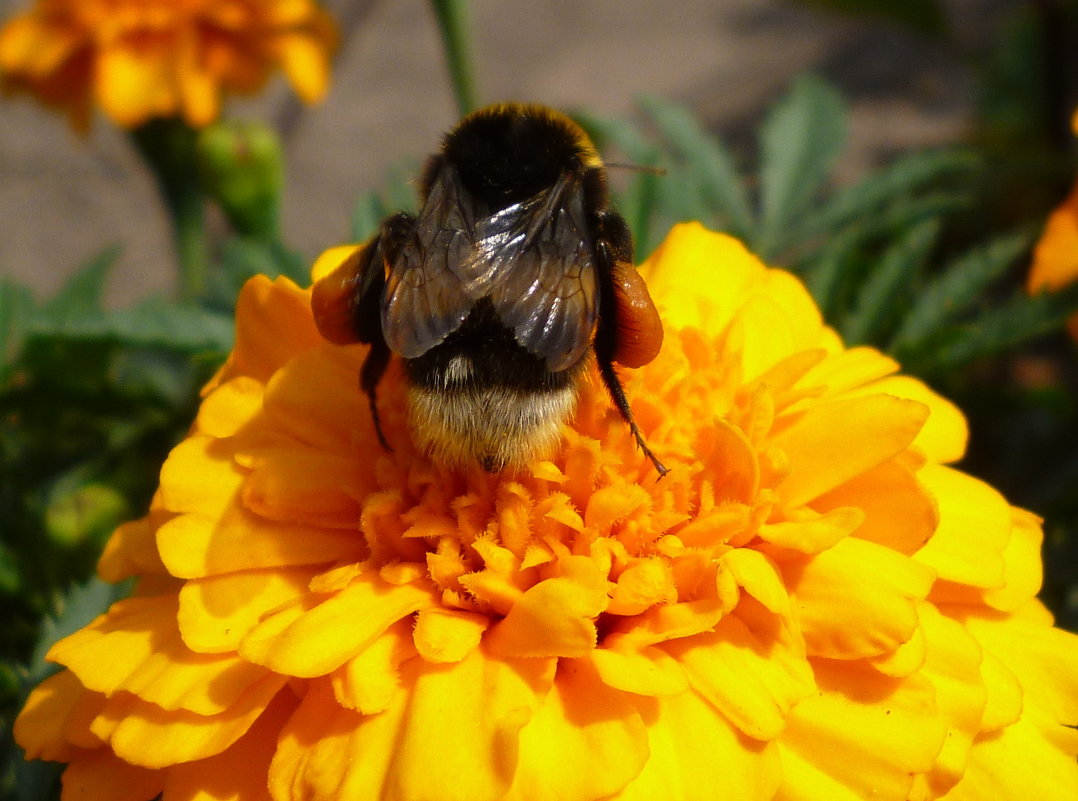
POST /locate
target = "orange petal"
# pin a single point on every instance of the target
(193, 546)
(199, 476)
(134, 80)
(102, 776)
(238, 772)
(945, 433)
(130, 551)
(900, 513)
(229, 407)
(832, 442)
(136, 647)
(148, 736)
(312, 642)
(215, 613)
(585, 741)
(444, 635)
(369, 681)
(857, 599)
(39, 727)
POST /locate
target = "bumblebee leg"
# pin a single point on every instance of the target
(617, 394)
(614, 243)
(374, 367)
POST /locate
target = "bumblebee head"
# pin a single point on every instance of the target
(510, 152)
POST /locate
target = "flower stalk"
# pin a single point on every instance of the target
(168, 147)
(453, 24)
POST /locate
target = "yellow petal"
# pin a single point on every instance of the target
(647, 671)
(556, 616)
(1055, 258)
(320, 639)
(832, 442)
(134, 82)
(585, 741)
(696, 753)
(945, 433)
(199, 476)
(1022, 570)
(857, 599)
(229, 407)
(863, 736)
(754, 682)
(814, 533)
(304, 62)
(975, 524)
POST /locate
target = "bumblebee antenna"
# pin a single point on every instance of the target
(648, 168)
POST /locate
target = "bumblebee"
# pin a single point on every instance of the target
(496, 291)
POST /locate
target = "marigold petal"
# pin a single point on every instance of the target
(273, 325)
(304, 62)
(814, 533)
(647, 671)
(131, 551)
(581, 724)
(134, 82)
(229, 407)
(863, 736)
(975, 524)
(216, 612)
(856, 435)
(443, 635)
(754, 682)
(488, 701)
(1018, 762)
(148, 736)
(199, 476)
(39, 728)
(369, 681)
(555, 616)
(694, 751)
(1055, 258)
(194, 546)
(313, 642)
(945, 433)
(102, 776)
(1022, 569)
(137, 647)
(238, 772)
(899, 513)
(876, 589)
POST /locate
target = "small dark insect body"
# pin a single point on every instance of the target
(496, 291)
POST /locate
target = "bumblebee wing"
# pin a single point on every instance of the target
(425, 299)
(545, 282)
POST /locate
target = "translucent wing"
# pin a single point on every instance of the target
(543, 281)
(425, 297)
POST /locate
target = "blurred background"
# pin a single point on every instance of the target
(913, 76)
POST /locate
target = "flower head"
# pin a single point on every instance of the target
(1055, 257)
(139, 60)
(810, 605)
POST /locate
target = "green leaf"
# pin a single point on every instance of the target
(367, 214)
(878, 296)
(80, 298)
(956, 288)
(1019, 319)
(799, 141)
(16, 310)
(711, 163)
(898, 180)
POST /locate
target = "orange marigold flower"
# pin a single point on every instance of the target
(140, 59)
(810, 606)
(1055, 258)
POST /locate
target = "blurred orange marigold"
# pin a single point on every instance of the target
(141, 59)
(810, 606)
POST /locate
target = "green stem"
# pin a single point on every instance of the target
(168, 146)
(453, 24)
